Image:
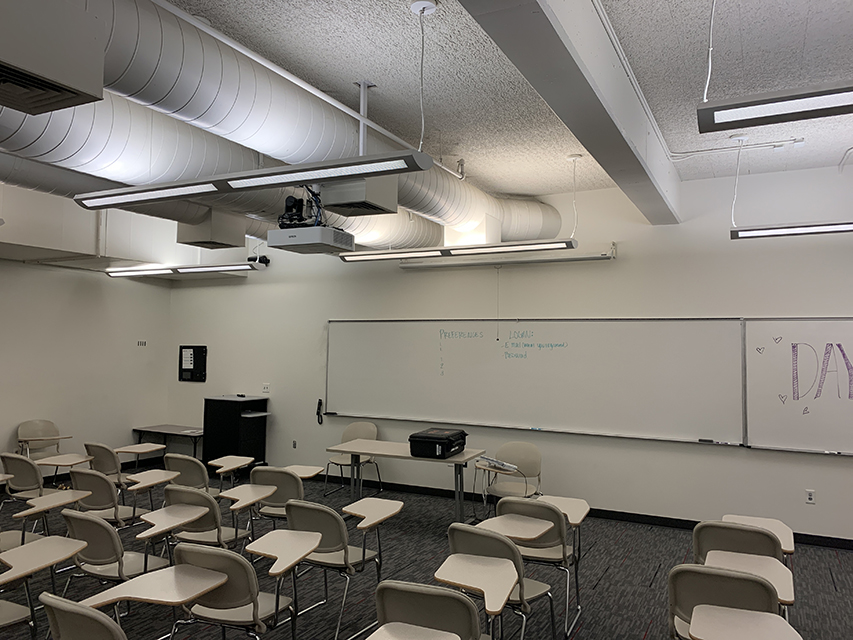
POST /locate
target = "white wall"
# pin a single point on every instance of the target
(68, 353)
(274, 330)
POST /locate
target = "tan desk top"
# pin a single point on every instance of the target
(575, 509)
(169, 518)
(51, 501)
(64, 460)
(173, 430)
(485, 466)
(43, 438)
(774, 571)
(710, 622)
(151, 478)
(373, 510)
(304, 471)
(6, 476)
(228, 464)
(170, 586)
(385, 449)
(516, 526)
(403, 631)
(495, 578)
(245, 495)
(142, 447)
(37, 555)
(288, 548)
(777, 527)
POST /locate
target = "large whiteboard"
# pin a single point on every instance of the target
(800, 384)
(667, 379)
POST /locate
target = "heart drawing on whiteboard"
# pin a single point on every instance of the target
(759, 349)
(805, 411)
(777, 340)
(783, 398)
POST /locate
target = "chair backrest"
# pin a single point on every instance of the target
(240, 589)
(104, 544)
(730, 536)
(103, 490)
(288, 485)
(310, 516)
(74, 621)
(694, 584)
(104, 459)
(193, 473)
(359, 431)
(177, 494)
(468, 539)
(523, 455)
(555, 536)
(39, 429)
(427, 606)
(26, 472)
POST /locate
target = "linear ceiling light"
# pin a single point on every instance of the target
(316, 172)
(176, 272)
(781, 106)
(791, 230)
(437, 252)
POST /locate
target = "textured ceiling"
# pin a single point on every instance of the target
(477, 105)
(759, 46)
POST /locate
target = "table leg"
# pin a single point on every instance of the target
(145, 558)
(459, 491)
(576, 553)
(354, 462)
(195, 440)
(33, 627)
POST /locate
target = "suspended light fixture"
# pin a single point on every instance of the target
(187, 271)
(477, 249)
(311, 173)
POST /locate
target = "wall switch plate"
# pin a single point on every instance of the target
(266, 387)
(810, 496)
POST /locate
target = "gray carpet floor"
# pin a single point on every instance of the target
(623, 573)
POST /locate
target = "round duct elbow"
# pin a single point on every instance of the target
(528, 220)
(390, 231)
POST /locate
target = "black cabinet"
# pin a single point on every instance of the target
(235, 425)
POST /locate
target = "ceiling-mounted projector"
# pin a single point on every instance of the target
(311, 240)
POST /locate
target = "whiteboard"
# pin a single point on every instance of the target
(667, 379)
(800, 384)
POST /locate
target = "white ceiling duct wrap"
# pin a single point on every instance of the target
(527, 220)
(160, 60)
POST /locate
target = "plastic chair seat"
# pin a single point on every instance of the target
(118, 478)
(273, 512)
(242, 616)
(533, 589)
(124, 512)
(344, 459)
(335, 559)
(213, 491)
(134, 564)
(32, 493)
(12, 539)
(11, 613)
(548, 554)
(229, 535)
(682, 628)
(512, 488)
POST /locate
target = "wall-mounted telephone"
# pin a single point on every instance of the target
(192, 363)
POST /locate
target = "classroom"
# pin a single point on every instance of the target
(97, 355)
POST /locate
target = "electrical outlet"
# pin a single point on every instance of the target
(294, 444)
(266, 387)
(810, 496)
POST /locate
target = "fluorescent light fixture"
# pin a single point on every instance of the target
(138, 273)
(316, 172)
(438, 252)
(319, 175)
(539, 246)
(791, 230)
(178, 273)
(364, 256)
(781, 106)
(149, 195)
(597, 253)
(219, 267)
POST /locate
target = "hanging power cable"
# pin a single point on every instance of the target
(741, 140)
(574, 159)
(710, 50)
